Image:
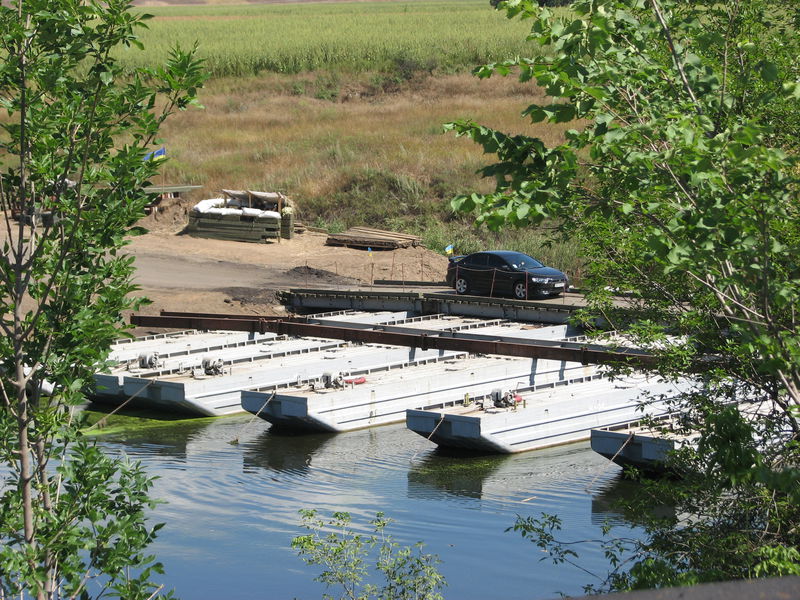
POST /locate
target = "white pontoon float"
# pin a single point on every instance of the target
(556, 414)
(209, 384)
(640, 446)
(342, 404)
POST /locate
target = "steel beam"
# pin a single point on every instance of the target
(566, 351)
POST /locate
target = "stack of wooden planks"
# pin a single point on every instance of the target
(378, 239)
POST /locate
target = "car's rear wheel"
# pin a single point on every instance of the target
(461, 285)
(520, 290)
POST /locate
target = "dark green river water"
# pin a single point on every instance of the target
(232, 509)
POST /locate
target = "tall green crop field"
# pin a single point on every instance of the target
(394, 37)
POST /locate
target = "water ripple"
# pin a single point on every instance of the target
(233, 489)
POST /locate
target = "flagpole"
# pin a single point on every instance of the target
(156, 155)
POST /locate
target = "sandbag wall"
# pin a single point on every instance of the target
(213, 219)
(234, 227)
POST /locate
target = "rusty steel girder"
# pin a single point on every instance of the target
(300, 327)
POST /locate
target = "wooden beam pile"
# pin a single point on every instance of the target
(377, 239)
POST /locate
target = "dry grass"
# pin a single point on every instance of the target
(257, 133)
(366, 157)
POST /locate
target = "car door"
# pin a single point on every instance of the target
(499, 275)
(476, 273)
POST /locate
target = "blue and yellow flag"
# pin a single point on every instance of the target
(156, 154)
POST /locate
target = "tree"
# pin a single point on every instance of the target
(680, 182)
(408, 573)
(75, 132)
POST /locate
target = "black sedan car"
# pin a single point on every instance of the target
(501, 272)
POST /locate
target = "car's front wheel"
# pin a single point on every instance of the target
(520, 290)
(461, 286)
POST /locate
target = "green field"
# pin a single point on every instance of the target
(446, 36)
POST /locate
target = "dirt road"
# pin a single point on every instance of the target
(183, 273)
(179, 272)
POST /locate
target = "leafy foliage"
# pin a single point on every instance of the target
(407, 572)
(72, 178)
(680, 180)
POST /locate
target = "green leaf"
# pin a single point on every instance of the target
(463, 204)
(769, 71)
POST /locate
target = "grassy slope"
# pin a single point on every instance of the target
(354, 146)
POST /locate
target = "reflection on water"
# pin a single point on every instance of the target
(460, 476)
(502, 477)
(610, 504)
(284, 451)
(233, 490)
(166, 439)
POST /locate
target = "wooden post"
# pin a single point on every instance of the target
(391, 275)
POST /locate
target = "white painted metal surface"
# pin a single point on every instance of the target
(183, 352)
(183, 343)
(560, 414)
(177, 382)
(112, 386)
(220, 395)
(384, 397)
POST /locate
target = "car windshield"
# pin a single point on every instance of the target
(523, 261)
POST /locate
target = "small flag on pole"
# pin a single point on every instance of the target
(449, 249)
(156, 154)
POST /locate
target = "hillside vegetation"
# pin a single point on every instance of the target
(341, 107)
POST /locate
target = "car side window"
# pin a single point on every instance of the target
(477, 260)
(496, 262)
